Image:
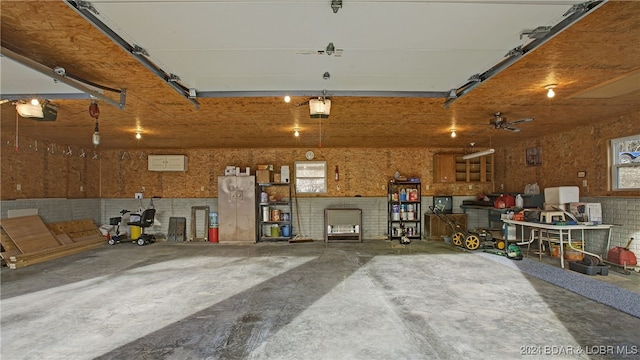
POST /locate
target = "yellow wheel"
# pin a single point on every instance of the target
(472, 242)
(457, 239)
(500, 244)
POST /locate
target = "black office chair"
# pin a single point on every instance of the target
(146, 220)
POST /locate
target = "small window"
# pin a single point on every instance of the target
(311, 177)
(625, 163)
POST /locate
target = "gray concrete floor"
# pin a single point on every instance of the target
(371, 300)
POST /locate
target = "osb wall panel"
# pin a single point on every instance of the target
(563, 155)
(363, 172)
(46, 170)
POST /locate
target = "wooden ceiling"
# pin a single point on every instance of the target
(599, 49)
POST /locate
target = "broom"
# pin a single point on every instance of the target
(299, 237)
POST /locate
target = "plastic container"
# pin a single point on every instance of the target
(135, 232)
(519, 201)
(213, 219)
(286, 230)
(275, 231)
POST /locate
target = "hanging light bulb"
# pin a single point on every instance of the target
(453, 133)
(550, 92)
(95, 139)
(138, 135)
(287, 99)
(296, 133)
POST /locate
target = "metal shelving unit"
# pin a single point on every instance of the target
(278, 201)
(404, 212)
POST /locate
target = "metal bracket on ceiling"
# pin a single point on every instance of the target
(336, 5)
(61, 75)
(83, 9)
(538, 33)
(575, 13)
(138, 50)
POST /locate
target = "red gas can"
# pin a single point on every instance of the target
(622, 256)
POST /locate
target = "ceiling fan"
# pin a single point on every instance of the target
(500, 122)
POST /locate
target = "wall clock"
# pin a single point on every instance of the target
(309, 155)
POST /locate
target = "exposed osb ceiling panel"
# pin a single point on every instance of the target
(399, 62)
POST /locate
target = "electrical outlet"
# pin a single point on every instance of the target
(426, 187)
(470, 187)
(18, 187)
(81, 188)
(201, 188)
(584, 183)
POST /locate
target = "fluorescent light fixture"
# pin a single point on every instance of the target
(319, 108)
(478, 154)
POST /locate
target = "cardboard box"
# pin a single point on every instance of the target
(584, 212)
(263, 176)
(277, 178)
(265, 167)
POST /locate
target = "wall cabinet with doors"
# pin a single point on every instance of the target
(167, 163)
(236, 209)
(404, 209)
(275, 211)
(451, 167)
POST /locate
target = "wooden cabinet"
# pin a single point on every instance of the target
(444, 167)
(167, 163)
(435, 228)
(449, 167)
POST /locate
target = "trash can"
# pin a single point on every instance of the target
(213, 227)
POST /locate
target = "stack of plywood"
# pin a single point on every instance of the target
(27, 240)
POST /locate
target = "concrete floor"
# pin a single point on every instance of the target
(374, 300)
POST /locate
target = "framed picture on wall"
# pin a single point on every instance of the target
(534, 156)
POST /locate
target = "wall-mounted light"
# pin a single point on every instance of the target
(550, 92)
(138, 135)
(35, 102)
(453, 133)
(287, 99)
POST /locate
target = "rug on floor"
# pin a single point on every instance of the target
(618, 298)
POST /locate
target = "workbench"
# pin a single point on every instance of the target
(563, 232)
